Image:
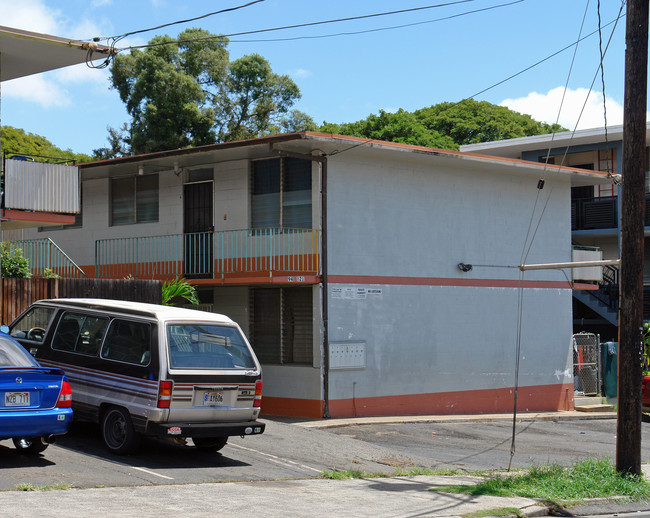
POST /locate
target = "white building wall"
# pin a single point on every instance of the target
(412, 221)
(231, 198)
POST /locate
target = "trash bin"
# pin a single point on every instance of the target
(609, 357)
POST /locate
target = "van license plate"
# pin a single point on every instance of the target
(213, 398)
(16, 398)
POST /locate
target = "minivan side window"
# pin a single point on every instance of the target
(79, 333)
(33, 324)
(128, 341)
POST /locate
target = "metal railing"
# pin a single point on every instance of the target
(210, 254)
(46, 258)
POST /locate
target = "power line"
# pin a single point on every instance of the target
(312, 24)
(122, 36)
(541, 60)
(366, 31)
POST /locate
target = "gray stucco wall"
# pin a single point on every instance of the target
(408, 224)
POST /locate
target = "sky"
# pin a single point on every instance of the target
(507, 52)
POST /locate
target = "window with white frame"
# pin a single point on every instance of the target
(281, 193)
(134, 199)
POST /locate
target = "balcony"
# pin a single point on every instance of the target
(39, 193)
(600, 213)
(261, 255)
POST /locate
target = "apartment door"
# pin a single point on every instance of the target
(198, 229)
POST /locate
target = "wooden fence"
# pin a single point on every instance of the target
(17, 294)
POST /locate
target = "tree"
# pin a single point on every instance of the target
(118, 144)
(401, 126)
(470, 121)
(445, 125)
(186, 92)
(15, 140)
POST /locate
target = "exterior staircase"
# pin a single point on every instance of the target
(594, 302)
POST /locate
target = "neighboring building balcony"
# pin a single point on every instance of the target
(39, 193)
(249, 256)
(595, 213)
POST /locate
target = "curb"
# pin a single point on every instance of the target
(476, 418)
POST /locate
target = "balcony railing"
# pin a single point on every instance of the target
(40, 186)
(211, 255)
(45, 258)
(599, 213)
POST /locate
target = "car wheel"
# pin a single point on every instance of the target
(117, 431)
(29, 445)
(210, 443)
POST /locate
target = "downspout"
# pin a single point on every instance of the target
(326, 348)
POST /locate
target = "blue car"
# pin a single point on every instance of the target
(35, 401)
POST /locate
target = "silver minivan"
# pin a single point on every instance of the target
(144, 369)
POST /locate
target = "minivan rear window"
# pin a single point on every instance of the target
(207, 346)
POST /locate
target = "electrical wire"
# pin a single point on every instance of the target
(379, 29)
(122, 36)
(566, 150)
(322, 22)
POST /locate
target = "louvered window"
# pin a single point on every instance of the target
(281, 328)
(134, 199)
(281, 193)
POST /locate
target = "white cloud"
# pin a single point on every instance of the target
(545, 107)
(36, 89)
(301, 73)
(31, 15)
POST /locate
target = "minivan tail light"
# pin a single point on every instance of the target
(65, 396)
(258, 394)
(165, 393)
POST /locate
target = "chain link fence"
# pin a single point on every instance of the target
(586, 364)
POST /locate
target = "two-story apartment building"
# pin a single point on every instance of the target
(595, 212)
(372, 278)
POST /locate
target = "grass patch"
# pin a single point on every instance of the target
(593, 478)
(32, 487)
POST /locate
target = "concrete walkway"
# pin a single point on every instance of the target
(390, 497)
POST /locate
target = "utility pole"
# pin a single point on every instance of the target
(628, 436)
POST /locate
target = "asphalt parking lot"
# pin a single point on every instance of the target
(304, 450)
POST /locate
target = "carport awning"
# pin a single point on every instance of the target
(23, 53)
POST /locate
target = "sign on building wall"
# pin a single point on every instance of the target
(355, 293)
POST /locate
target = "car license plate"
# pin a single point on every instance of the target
(16, 398)
(213, 398)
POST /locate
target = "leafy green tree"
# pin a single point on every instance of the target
(294, 121)
(186, 92)
(12, 263)
(470, 122)
(401, 126)
(14, 140)
(445, 125)
(118, 141)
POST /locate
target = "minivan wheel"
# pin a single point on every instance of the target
(29, 445)
(210, 443)
(117, 431)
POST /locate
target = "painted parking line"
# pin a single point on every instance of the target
(152, 473)
(276, 459)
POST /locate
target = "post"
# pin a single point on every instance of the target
(628, 437)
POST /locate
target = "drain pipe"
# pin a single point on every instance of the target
(325, 305)
(322, 163)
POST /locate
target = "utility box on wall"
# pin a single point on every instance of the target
(347, 355)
